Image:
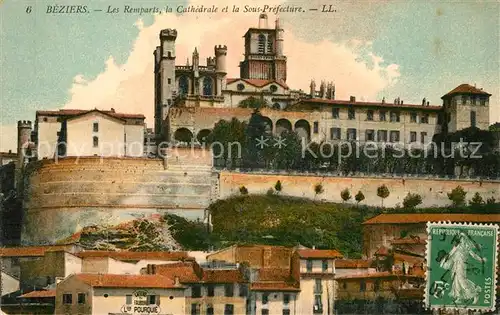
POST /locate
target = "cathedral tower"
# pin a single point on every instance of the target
(220, 68)
(165, 87)
(264, 57)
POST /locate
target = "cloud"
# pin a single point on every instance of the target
(129, 87)
(8, 137)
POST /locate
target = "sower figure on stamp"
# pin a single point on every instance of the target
(456, 262)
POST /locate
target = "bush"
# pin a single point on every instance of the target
(457, 196)
(476, 200)
(278, 186)
(243, 190)
(345, 195)
(318, 189)
(270, 192)
(359, 197)
(491, 201)
(383, 192)
(411, 201)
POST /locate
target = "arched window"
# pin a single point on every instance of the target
(262, 44)
(183, 85)
(95, 141)
(208, 86)
(269, 45)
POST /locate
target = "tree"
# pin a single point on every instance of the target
(228, 141)
(457, 196)
(243, 190)
(490, 200)
(345, 195)
(359, 197)
(411, 201)
(278, 187)
(476, 200)
(318, 189)
(383, 192)
(253, 102)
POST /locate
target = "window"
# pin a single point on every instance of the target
(286, 299)
(309, 265)
(240, 86)
(382, 115)
(67, 298)
(382, 135)
(413, 117)
(335, 113)
(413, 136)
(362, 286)
(81, 298)
(265, 298)
(318, 286)
(482, 101)
(394, 117)
(315, 127)
(228, 289)
(370, 135)
(228, 309)
(394, 136)
(286, 312)
(473, 100)
(183, 85)
(335, 134)
(273, 88)
(210, 310)
(195, 309)
(243, 290)
(196, 291)
(351, 134)
(128, 299)
(45, 118)
(318, 305)
(464, 99)
(424, 119)
(95, 141)
(169, 81)
(473, 119)
(351, 114)
(210, 290)
(153, 299)
(344, 285)
(265, 311)
(269, 46)
(95, 127)
(262, 44)
(369, 115)
(376, 286)
(208, 86)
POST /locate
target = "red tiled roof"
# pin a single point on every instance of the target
(125, 255)
(352, 263)
(382, 251)
(127, 281)
(274, 286)
(273, 274)
(222, 276)
(412, 218)
(76, 112)
(466, 89)
(384, 274)
(30, 251)
(38, 294)
(408, 240)
(185, 271)
(257, 82)
(377, 104)
(408, 258)
(319, 253)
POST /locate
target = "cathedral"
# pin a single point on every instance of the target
(190, 99)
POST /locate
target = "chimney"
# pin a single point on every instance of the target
(428, 103)
(176, 281)
(112, 110)
(401, 102)
(314, 247)
(352, 99)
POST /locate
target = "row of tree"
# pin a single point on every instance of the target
(470, 151)
(457, 196)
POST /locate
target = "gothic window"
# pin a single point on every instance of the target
(208, 88)
(269, 45)
(183, 85)
(262, 44)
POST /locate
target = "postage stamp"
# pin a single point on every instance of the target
(461, 266)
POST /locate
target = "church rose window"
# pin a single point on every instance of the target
(240, 87)
(273, 88)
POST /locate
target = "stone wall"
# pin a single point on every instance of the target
(62, 197)
(433, 190)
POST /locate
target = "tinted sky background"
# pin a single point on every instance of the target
(370, 49)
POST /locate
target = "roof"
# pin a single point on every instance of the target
(352, 263)
(408, 258)
(384, 274)
(319, 253)
(273, 274)
(257, 82)
(373, 104)
(185, 271)
(408, 240)
(126, 255)
(222, 276)
(127, 281)
(76, 112)
(466, 89)
(274, 286)
(382, 251)
(30, 251)
(38, 294)
(413, 218)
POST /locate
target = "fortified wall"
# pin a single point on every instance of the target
(62, 197)
(433, 190)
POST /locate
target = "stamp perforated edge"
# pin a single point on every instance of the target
(427, 259)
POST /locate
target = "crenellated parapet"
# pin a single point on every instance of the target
(168, 34)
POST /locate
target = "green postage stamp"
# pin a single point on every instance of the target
(461, 266)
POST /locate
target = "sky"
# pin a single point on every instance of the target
(370, 49)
